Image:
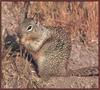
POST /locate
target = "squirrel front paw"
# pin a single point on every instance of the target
(34, 46)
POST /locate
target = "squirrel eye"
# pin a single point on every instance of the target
(29, 28)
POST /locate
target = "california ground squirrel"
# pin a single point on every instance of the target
(51, 48)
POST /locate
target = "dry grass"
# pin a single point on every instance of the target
(17, 72)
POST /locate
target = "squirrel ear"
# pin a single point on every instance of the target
(36, 18)
(38, 23)
(35, 21)
(24, 11)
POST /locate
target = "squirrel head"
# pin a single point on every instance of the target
(29, 30)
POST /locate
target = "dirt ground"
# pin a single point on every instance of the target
(18, 72)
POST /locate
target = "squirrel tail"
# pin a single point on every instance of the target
(87, 71)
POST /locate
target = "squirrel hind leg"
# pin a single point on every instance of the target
(45, 78)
